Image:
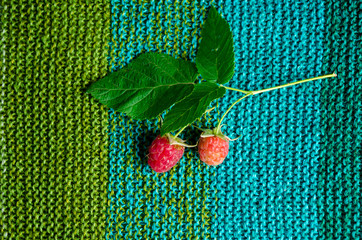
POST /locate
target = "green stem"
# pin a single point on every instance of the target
(238, 90)
(232, 105)
(178, 133)
(248, 93)
(281, 86)
(198, 128)
(293, 83)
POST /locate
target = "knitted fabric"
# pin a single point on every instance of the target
(144, 204)
(53, 136)
(289, 176)
(340, 195)
(295, 173)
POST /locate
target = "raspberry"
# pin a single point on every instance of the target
(213, 150)
(162, 155)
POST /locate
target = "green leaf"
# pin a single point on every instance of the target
(192, 107)
(146, 87)
(215, 55)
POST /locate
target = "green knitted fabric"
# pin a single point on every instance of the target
(53, 135)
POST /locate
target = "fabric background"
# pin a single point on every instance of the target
(72, 170)
(53, 135)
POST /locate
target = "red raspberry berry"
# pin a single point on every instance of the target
(162, 155)
(213, 150)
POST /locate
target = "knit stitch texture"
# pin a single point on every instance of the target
(72, 169)
(53, 136)
(340, 172)
(289, 176)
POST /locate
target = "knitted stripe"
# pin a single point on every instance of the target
(53, 135)
(143, 204)
(266, 188)
(340, 196)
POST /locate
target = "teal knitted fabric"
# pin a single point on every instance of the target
(340, 195)
(267, 188)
